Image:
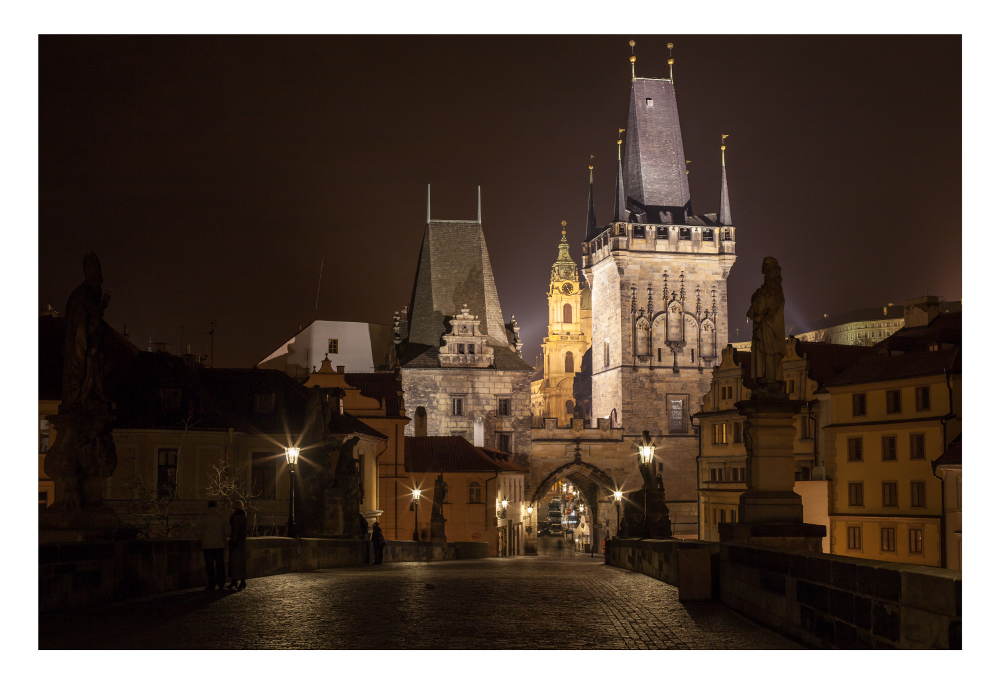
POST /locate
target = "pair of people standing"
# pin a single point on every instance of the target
(212, 532)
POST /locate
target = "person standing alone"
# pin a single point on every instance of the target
(238, 547)
(212, 533)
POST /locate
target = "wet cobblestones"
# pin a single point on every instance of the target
(527, 602)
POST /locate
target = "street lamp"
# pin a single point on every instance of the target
(291, 458)
(618, 508)
(646, 452)
(416, 508)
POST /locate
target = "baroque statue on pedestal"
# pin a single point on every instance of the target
(767, 311)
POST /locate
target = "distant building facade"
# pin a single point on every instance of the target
(565, 346)
(358, 347)
(892, 414)
(864, 327)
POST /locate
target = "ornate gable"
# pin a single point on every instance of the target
(465, 346)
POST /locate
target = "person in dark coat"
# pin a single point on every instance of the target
(363, 533)
(238, 547)
(378, 543)
(211, 532)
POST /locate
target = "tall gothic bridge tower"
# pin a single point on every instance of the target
(658, 274)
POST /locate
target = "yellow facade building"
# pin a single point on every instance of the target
(892, 414)
(568, 339)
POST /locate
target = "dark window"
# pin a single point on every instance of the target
(860, 405)
(638, 231)
(333, 347)
(692, 355)
(790, 386)
(855, 494)
(854, 449)
(890, 498)
(659, 356)
(893, 401)
(607, 355)
(923, 398)
(43, 499)
(743, 474)
(918, 495)
(675, 408)
(262, 475)
(737, 433)
(662, 232)
(456, 406)
(503, 442)
(166, 473)
(713, 474)
(916, 541)
(503, 407)
(916, 446)
(854, 538)
(708, 235)
(567, 313)
(685, 234)
(569, 406)
(569, 362)
(475, 492)
(889, 448)
(888, 538)
(263, 403)
(171, 398)
(806, 427)
(461, 348)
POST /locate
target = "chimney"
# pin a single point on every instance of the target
(340, 370)
(920, 311)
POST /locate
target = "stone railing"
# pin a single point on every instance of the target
(817, 599)
(76, 574)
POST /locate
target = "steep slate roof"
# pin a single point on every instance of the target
(655, 169)
(453, 271)
(449, 455)
(876, 368)
(380, 386)
(946, 328)
(725, 214)
(620, 213)
(51, 336)
(591, 216)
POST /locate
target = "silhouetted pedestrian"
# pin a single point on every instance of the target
(238, 547)
(211, 531)
(378, 543)
(363, 533)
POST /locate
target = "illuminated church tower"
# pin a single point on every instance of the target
(658, 274)
(567, 342)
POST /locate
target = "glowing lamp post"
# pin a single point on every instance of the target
(646, 452)
(416, 507)
(618, 508)
(292, 459)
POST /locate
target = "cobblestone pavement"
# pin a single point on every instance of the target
(525, 602)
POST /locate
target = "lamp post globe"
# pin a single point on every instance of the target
(618, 510)
(646, 452)
(416, 507)
(292, 459)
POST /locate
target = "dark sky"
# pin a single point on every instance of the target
(212, 174)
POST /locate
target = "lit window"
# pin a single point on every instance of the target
(719, 434)
(333, 346)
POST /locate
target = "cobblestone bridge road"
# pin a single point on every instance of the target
(525, 602)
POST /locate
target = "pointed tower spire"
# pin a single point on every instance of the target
(428, 203)
(591, 216)
(479, 205)
(725, 215)
(621, 213)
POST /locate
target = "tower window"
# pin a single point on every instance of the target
(333, 346)
(607, 355)
(569, 362)
(659, 354)
(649, 102)
(685, 234)
(692, 355)
(567, 313)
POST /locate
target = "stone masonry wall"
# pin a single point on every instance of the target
(480, 388)
(819, 599)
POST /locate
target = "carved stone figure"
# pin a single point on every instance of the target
(440, 492)
(83, 455)
(767, 311)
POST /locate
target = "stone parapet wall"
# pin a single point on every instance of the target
(819, 599)
(77, 574)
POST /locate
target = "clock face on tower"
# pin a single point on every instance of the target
(567, 288)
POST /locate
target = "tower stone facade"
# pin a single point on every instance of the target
(460, 365)
(658, 280)
(567, 342)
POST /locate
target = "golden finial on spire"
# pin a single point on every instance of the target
(687, 161)
(724, 136)
(620, 131)
(670, 46)
(564, 228)
(632, 58)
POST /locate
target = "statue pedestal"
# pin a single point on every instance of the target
(770, 512)
(437, 529)
(87, 524)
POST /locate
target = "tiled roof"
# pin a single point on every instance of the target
(946, 328)
(380, 386)
(951, 456)
(827, 360)
(51, 336)
(449, 455)
(876, 368)
(502, 459)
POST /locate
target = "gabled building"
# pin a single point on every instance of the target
(358, 347)
(893, 413)
(460, 365)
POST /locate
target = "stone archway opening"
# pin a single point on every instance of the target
(573, 511)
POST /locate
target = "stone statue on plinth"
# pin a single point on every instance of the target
(437, 509)
(767, 311)
(770, 511)
(83, 456)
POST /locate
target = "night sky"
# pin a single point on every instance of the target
(212, 174)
